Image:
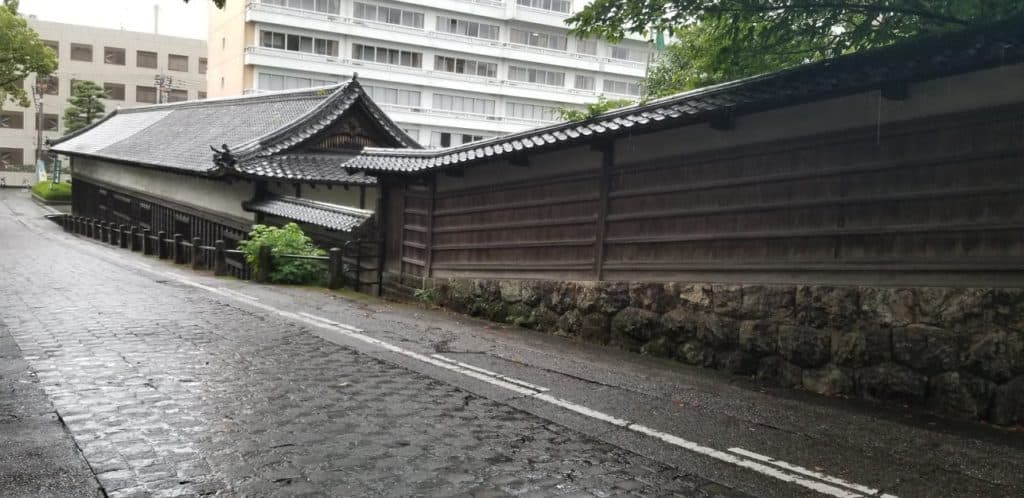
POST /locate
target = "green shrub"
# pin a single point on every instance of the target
(53, 191)
(425, 296)
(288, 239)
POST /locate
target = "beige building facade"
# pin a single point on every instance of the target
(128, 64)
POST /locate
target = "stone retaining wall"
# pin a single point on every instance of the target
(956, 351)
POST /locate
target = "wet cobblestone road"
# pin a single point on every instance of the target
(172, 392)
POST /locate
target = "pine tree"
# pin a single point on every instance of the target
(84, 105)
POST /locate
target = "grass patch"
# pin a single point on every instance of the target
(53, 192)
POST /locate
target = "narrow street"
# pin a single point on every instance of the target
(178, 383)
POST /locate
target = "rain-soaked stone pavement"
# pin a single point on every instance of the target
(167, 391)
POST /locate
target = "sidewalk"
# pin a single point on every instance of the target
(39, 457)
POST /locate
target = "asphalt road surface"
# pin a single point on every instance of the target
(170, 382)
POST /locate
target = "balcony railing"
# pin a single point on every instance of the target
(305, 14)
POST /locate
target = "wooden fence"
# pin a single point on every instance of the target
(346, 266)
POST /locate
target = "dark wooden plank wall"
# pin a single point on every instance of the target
(938, 195)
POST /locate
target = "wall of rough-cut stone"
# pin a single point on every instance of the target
(956, 351)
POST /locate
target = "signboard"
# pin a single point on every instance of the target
(56, 171)
(40, 170)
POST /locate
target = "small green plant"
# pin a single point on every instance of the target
(425, 296)
(602, 106)
(289, 239)
(53, 191)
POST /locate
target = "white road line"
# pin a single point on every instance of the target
(492, 374)
(756, 462)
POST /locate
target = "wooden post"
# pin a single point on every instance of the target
(178, 250)
(133, 239)
(220, 264)
(97, 232)
(263, 261)
(123, 237)
(66, 223)
(196, 252)
(147, 243)
(607, 162)
(359, 265)
(334, 268)
(89, 227)
(161, 246)
(115, 234)
(104, 232)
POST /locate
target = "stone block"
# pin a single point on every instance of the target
(776, 370)
(945, 306)
(804, 346)
(758, 337)
(821, 306)
(680, 324)
(1008, 405)
(544, 319)
(888, 306)
(662, 347)
(718, 331)
(866, 344)
(594, 327)
(737, 362)
(696, 296)
(696, 353)
(727, 299)
(960, 394)
(634, 326)
(996, 354)
(829, 380)
(891, 381)
(570, 323)
(561, 296)
(1008, 308)
(655, 297)
(768, 301)
(926, 348)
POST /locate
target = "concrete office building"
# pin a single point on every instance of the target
(447, 71)
(126, 63)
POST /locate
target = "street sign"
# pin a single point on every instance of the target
(56, 171)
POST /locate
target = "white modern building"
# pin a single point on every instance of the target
(125, 63)
(447, 71)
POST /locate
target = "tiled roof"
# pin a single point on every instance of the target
(914, 60)
(315, 213)
(179, 136)
(322, 168)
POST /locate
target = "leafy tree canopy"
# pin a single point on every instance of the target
(84, 105)
(721, 40)
(602, 105)
(21, 54)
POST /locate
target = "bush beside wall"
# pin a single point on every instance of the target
(53, 191)
(956, 351)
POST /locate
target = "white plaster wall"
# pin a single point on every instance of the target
(207, 194)
(337, 194)
(1000, 86)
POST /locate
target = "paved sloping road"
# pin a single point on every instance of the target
(177, 382)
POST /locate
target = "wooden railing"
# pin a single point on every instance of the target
(346, 266)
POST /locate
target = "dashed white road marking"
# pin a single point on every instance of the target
(764, 465)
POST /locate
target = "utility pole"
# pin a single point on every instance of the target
(37, 95)
(163, 84)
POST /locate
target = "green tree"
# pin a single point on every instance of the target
(288, 239)
(602, 105)
(728, 39)
(84, 105)
(21, 54)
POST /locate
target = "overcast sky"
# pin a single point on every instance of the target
(176, 17)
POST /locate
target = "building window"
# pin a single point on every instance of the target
(324, 6)
(145, 94)
(537, 39)
(11, 157)
(278, 82)
(626, 54)
(201, 95)
(12, 119)
(467, 28)
(622, 87)
(393, 96)
(463, 104)
(586, 46)
(389, 15)
(81, 52)
(552, 5)
(298, 43)
(177, 62)
(51, 85)
(113, 55)
(465, 66)
(448, 139)
(583, 82)
(52, 45)
(51, 122)
(531, 111)
(387, 55)
(202, 65)
(115, 91)
(177, 95)
(145, 59)
(540, 76)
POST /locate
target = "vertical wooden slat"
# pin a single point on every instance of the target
(604, 184)
(432, 195)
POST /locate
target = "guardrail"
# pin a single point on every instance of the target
(345, 266)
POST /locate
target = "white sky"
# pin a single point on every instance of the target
(176, 17)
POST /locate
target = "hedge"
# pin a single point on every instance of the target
(53, 192)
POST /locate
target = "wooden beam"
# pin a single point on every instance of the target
(604, 185)
(521, 160)
(455, 172)
(723, 121)
(895, 90)
(430, 227)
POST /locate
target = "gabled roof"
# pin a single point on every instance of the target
(913, 60)
(319, 168)
(179, 136)
(316, 213)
